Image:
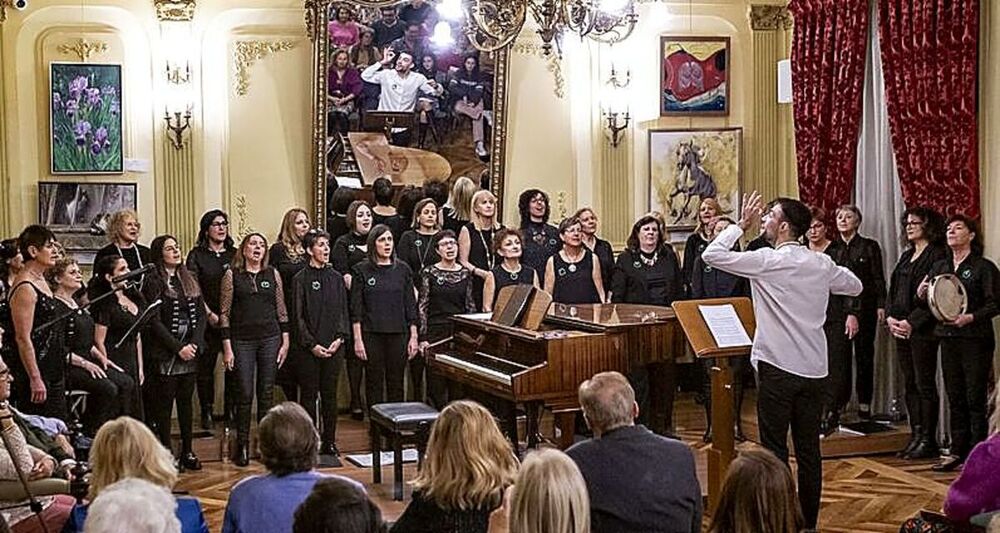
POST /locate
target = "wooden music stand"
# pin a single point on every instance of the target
(723, 449)
(386, 121)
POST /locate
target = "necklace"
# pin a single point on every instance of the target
(422, 250)
(649, 261)
(135, 250)
(490, 259)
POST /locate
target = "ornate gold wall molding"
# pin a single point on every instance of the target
(83, 48)
(552, 62)
(249, 52)
(765, 18)
(243, 227)
(174, 10)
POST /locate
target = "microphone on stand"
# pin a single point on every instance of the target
(133, 274)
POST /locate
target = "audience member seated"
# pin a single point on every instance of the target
(133, 505)
(469, 464)
(338, 505)
(627, 466)
(289, 445)
(549, 496)
(17, 455)
(126, 448)
(977, 489)
(758, 496)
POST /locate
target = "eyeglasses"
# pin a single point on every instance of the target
(909, 223)
(220, 224)
(447, 243)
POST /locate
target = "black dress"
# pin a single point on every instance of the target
(606, 256)
(574, 282)
(541, 241)
(504, 278)
(423, 515)
(288, 266)
(50, 357)
(119, 320)
(442, 294)
(137, 256)
(481, 256)
(693, 248)
(417, 250)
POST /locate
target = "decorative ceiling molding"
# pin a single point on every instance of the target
(770, 18)
(174, 10)
(552, 61)
(83, 48)
(249, 52)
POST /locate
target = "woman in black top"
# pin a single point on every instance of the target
(600, 247)
(708, 282)
(40, 370)
(416, 246)
(458, 210)
(912, 325)
(573, 275)
(510, 271)
(254, 323)
(123, 230)
(474, 242)
(207, 262)
(384, 316)
(113, 318)
(348, 251)
(383, 212)
(967, 342)
(174, 342)
(445, 290)
(467, 90)
(109, 389)
(698, 240)
(289, 257)
(340, 201)
(322, 325)
(647, 272)
(541, 239)
(864, 258)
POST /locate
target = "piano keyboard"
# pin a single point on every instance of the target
(489, 367)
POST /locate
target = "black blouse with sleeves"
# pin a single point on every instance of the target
(382, 297)
(443, 293)
(981, 280)
(903, 302)
(640, 278)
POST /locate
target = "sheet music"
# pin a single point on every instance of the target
(725, 325)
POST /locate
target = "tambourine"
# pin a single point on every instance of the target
(946, 297)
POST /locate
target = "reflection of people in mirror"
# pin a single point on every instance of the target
(429, 106)
(467, 89)
(388, 28)
(399, 86)
(413, 41)
(343, 30)
(344, 88)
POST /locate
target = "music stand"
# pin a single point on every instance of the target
(386, 121)
(723, 449)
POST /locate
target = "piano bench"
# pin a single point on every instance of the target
(400, 423)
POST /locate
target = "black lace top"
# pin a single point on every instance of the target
(443, 293)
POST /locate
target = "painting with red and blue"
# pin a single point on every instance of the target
(694, 76)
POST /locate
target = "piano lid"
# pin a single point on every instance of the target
(607, 316)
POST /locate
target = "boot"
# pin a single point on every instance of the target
(189, 461)
(242, 453)
(206, 419)
(926, 448)
(422, 134)
(707, 437)
(915, 436)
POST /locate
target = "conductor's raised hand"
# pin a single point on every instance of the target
(753, 208)
(388, 56)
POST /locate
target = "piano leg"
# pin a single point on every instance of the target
(510, 421)
(566, 423)
(533, 411)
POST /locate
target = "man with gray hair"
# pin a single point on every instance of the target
(638, 481)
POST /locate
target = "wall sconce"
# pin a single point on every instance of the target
(616, 123)
(617, 82)
(176, 125)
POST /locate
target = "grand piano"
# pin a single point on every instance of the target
(540, 361)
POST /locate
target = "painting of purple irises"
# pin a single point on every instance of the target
(86, 118)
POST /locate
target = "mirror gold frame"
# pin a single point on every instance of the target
(317, 18)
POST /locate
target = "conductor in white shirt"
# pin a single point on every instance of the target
(791, 285)
(400, 85)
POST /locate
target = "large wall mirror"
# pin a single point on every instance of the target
(370, 121)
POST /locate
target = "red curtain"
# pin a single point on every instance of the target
(930, 59)
(828, 72)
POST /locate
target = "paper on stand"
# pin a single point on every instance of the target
(725, 325)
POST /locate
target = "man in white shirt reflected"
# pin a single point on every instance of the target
(791, 286)
(400, 85)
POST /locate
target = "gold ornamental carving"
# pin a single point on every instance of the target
(770, 18)
(174, 10)
(552, 63)
(249, 52)
(83, 48)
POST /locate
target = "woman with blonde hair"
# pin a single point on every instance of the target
(758, 496)
(549, 496)
(475, 250)
(123, 234)
(458, 209)
(708, 209)
(288, 257)
(126, 448)
(598, 246)
(469, 464)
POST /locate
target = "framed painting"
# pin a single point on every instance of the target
(687, 166)
(694, 76)
(78, 213)
(85, 111)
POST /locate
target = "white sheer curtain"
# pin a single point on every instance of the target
(877, 193)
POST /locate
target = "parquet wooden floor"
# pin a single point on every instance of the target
(860, 494)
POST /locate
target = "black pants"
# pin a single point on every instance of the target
(355, 377)
(168, 390)
(918, 363)
(317, 378)
(257, 358)
(54, 406)
(288, 376)
(655, 385)
(864, 356)
(386, 366)
(966, 363)
(107, 397)
(837, 391)
(785, 400)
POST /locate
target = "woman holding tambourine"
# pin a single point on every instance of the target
(961, 292)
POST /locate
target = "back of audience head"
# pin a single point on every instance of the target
(133, 505)
(758, 496)
(126, 448)
(382, 191)
(608, 402)
(337, 505)
(288, 440)
(549, 496)
(469, 461)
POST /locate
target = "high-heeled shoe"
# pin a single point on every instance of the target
(926, 448)
(242, 454)
(948, 464)
(189, 461)
(915, 437)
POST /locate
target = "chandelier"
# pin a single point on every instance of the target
(494, 24)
